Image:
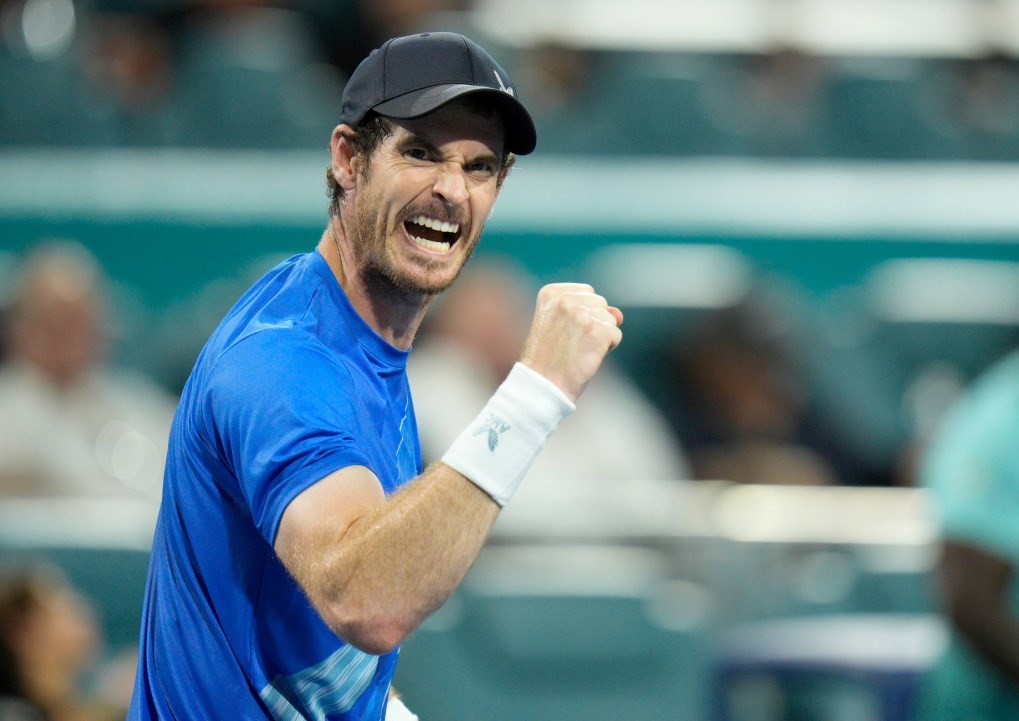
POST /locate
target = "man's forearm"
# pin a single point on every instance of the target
(376, 567)
(993, 631)
(976, 584)
(395, 565)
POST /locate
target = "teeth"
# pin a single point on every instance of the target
(438, 245)
(436, 224)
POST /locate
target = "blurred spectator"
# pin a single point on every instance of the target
(350, 29)
(202, 73)
(250, 74)
(129, 63)
(743, 397)
(575, 96)
(555, 75)
(742, 402)
(972, 469)
(774, 101)
(986, 101)
(49, 640)
(72, 425)
(469, 344)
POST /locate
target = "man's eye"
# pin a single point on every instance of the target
(417, 153)
(482, 166)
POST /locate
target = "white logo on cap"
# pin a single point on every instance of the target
(502, 85)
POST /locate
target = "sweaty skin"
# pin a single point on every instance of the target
(374, 566)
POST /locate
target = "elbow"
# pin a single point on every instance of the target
(373, 633)
(376, 640)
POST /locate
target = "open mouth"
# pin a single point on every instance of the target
(432, 234)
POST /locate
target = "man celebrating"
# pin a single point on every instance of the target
(294, 470)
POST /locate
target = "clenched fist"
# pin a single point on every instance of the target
(573, 329)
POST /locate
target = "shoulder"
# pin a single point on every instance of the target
(990, 408)
(285, 358)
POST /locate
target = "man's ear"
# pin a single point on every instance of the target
(344, 171)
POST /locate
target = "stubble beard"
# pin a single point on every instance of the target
(376, 266)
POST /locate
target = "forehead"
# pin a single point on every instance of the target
(457, 122)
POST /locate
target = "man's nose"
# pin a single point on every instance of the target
(451, 186)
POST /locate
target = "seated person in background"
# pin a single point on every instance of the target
(972, 469)
(588, 468)
(73, 426)
(749, 396)
(740, 403)
(48, 641)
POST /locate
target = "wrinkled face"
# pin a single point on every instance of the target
(422, 202)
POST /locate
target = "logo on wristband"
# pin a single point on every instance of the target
(495, 427)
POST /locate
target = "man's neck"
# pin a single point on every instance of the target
(394, 314)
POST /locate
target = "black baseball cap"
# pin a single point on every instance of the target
(414, 75)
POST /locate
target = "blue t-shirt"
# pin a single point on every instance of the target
(292, 386)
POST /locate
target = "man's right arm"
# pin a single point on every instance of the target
(375, 566)
(975, 585)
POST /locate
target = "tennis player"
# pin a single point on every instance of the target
(300, 540)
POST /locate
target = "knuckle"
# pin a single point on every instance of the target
(586, 322)
(568, 302)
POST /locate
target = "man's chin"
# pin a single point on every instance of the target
(426, 283)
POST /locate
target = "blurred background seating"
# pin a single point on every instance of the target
(74, 426)
(807, 211)
(78, 566)
(809, 80)
(859, 667)
(478, 327)
(252, 78)
(553, 632)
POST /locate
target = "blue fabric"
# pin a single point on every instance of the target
(292, 386)
(972, 470)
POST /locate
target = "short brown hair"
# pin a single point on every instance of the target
(369, 135)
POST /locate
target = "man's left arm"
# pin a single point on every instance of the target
(975, 589)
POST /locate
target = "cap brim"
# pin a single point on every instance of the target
(521, 136)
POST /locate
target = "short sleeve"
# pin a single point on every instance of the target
(973, 470)
(283, 414)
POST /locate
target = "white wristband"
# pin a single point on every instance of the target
(498, 447)
(396, 711)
